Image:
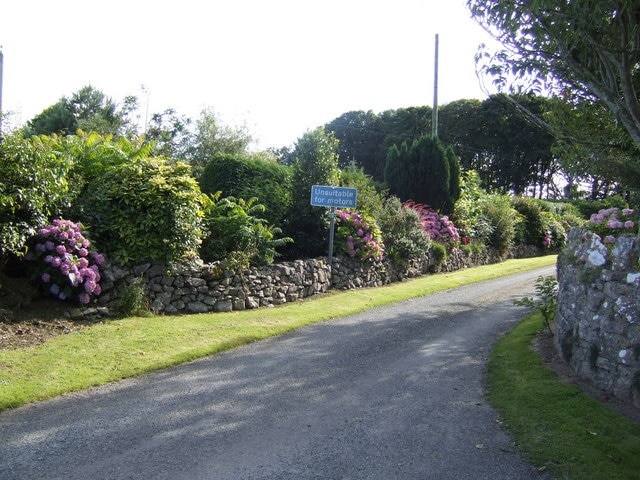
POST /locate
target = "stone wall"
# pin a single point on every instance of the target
(598, 320)
(200, 288)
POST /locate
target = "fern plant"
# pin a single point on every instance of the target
(236, 232)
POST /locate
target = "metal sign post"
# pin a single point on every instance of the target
(328, 196)
(332, 226)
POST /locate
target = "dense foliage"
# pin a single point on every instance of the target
(315, 163)
(242, 176)
(493, 137)
(580, 48)
(235, 231)
(371, 194)
(473, 226)
(425, 172)
(502, 219)
(150, 209)
(470, 187)
(583, 53)
(33, 189)
(539, 226)
(402, 233)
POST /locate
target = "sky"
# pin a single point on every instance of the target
(277, 67)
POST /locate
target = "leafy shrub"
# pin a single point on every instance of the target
(472, 225)
(371, 194)
(402, 233)
(235, 232)
(33, 190)
(503, 219)
(439, 252)
(133, 300)
(64, 262)
(315, 162)
(542, 224)
(531, 230)
(358, 235)
(589, 207)
(568, 213)
(472, 247)
(145, 210)
(555, 232)
(247, 177)
(546, 302)
(94, 154)
(439, 228)
(612, 222)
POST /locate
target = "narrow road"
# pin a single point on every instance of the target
(393, 393)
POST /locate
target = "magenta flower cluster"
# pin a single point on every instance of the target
(611, 222)
(439, 228)
(65, 263)
(360, 235)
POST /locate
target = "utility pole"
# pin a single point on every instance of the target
(434, 114)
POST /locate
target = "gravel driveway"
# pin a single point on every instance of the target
(393, 393)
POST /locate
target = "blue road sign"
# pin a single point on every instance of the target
(327, 196)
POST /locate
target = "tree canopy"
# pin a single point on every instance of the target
(88, 109)
(585, 48)
(425, 172)
(315, 163)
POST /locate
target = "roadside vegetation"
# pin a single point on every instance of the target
(557, 426)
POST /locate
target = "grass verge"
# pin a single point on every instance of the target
(556, 425)
(123, 348)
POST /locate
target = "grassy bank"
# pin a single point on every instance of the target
(556, 425)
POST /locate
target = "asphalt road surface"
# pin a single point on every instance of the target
(393, 393)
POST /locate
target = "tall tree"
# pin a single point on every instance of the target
(422, 173)
(360, 135)
(592, 148)
(513, 153)
(459, 125)
(169, 133)
(588, 48)
(212, 137)
(315, 163)
(87, 109)
(365, 137)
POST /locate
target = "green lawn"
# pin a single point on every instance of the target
(557, 426)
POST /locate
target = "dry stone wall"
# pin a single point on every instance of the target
(598, 320)
(200, 288)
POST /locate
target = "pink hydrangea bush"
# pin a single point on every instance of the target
(64, 262)
(439, 228)
(610, 223)
(358, 236)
